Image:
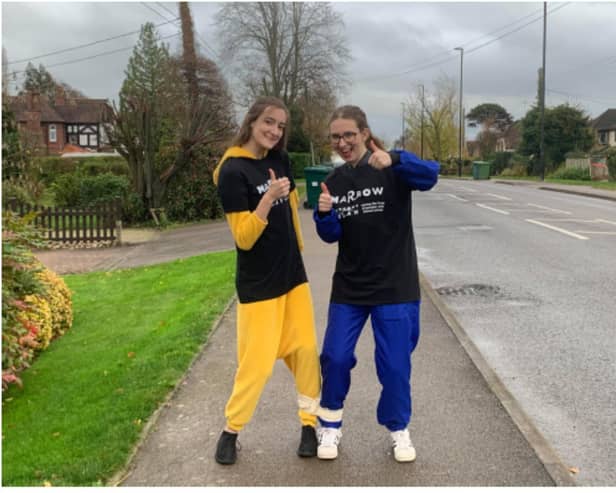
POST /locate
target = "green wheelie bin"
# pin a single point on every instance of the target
(481, 170)
(314, 176)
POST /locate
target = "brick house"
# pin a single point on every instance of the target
(510, 139)
(53, 125)
(605, 128)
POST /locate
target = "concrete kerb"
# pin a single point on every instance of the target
(580, 192)
(554, 466)
(120, 476)
(607, 195)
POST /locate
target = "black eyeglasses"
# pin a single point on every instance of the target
(347, 136)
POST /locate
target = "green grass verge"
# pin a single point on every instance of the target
(86, 398)
(606, 185)
(301, 188)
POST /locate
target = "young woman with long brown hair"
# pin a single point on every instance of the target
(366, 207)
(275, 318)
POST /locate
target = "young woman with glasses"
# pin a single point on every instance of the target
(366, 207)
(275, 318)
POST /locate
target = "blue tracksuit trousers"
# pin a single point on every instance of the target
(396, 332)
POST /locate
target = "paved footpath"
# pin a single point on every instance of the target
(462, 424)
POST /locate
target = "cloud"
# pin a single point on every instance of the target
(385, 39)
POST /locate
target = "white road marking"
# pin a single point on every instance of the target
(492, 209)
(457, 198)
(560, 230)
(502, 197)
(481, 227)
(467, 189)
(554, 220)
(573, 220)
(597, 232)
(549, 209)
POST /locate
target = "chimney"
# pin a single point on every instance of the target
(33, 99)
(33, 116)
(60, 97)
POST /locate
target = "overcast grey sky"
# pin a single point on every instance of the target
(395, 46)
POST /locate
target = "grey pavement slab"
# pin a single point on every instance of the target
(463, 434)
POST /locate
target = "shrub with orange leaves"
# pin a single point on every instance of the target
(36, 304)
(39, 316)
(59, 297)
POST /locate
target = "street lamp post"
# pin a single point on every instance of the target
(461, 50)
(422, 122)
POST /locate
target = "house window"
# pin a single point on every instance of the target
(603, 137)
(83, 140)
(53, 136)
(93, 140)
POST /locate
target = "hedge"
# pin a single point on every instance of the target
(299, 161)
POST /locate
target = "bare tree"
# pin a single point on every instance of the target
(189, 53)
(5, 73)
(283, 49)
(206, 110)
(70, 91)
(440, 117)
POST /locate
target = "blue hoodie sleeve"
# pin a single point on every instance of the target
(417, 173)
(329, 228)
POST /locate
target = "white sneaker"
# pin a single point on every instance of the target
(403, 447)
(329, 438)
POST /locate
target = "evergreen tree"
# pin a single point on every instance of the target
(39, 80)
(566, 129)
(13, 158)
(298, 140)
(138, 124)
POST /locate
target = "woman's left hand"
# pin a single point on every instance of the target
(379, 158)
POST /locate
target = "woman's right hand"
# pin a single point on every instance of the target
(279, 187)
(325, 199)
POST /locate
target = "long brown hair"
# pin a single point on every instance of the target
(355, 113)
(254, 112)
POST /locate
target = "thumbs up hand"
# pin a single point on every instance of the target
(325, 199)
(279, 187)
(379, 158)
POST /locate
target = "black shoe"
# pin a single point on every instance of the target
(226, 451)
(308, 443)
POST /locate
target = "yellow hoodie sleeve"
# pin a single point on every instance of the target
(294, 203)
(246, 228)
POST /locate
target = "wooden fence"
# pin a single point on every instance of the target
(71, 224)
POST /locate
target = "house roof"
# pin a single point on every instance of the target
(606, 121)
(74, 111)
(83, 110)
(19, 106)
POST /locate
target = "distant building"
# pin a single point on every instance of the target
(54, 125)
(510, 139)
(605, 128)
(473, 149)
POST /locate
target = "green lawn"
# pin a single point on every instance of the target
(87, 397)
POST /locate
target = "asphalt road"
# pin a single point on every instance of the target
(531, 275)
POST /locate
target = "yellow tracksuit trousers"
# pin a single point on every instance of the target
(268, 330)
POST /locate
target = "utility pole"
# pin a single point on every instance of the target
(542, 99)
(421, 147)
(461, 50)
(402, 138)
